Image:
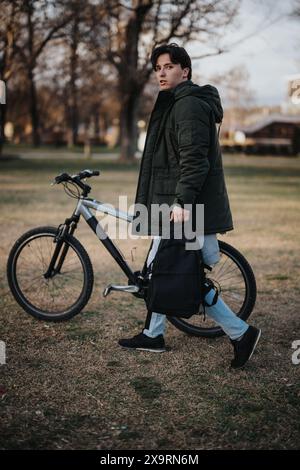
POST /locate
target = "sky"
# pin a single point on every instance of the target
(270, 55)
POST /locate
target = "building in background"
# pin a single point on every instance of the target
(268, 130)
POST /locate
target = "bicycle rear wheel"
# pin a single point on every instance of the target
(236, 283)
(66, 291)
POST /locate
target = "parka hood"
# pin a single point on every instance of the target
(207, 93)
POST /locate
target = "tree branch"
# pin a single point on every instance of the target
(50, 34)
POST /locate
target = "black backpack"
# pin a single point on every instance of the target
(175, 279)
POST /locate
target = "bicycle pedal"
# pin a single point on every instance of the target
(131, 289)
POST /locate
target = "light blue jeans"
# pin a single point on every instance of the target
(232, 325)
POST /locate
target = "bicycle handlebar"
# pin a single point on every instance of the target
(65, 177)
(88, 173)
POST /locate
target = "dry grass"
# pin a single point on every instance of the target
(70, 386)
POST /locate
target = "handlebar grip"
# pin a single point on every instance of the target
(61, 177)
(88, 173)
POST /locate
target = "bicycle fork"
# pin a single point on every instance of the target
(68, 228)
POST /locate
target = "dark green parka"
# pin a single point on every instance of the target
(182, 161)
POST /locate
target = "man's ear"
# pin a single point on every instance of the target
(186, 69)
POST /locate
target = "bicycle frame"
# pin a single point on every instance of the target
(83, 209)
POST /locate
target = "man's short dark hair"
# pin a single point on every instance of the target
(178, 55)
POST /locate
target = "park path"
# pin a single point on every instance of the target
(58, 154)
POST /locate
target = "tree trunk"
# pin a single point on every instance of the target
(128, 125)
(73, 77)
(130, 83)
(3, 72)
(2, 122)
(33, 110)
(73, 107)
(2, 125)
(96, 115)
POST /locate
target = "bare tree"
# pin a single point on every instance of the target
(75, 33)
(118, 36)
(41, 23)
(134, 28)
(94, 89)
(238, 95)
(73, 44)
(77, 59)
(9, 30)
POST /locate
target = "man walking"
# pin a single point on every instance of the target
(182, 164)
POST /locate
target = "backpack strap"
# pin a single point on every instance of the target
(144, 269)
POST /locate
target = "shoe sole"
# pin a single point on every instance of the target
(145, 349)
(257, 339)
(255, 344)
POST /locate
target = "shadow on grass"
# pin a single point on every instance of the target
(64, 164)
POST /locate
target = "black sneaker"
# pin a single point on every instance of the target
(244, 348)
(143, 342)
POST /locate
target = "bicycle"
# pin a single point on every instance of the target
(48, 267)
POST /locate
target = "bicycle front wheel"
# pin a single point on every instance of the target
(235, 280)
(60, 295)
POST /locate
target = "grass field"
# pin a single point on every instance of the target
(70, 386)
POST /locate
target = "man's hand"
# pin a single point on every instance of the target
(179, 214)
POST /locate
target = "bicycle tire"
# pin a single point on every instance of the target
(246, 308)
(20, 296)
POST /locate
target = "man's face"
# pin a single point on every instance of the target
(169, 75)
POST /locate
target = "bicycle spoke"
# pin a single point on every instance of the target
(222, 267)
(230, 276)
(56, 293)
(230, 269)
(31, 283)
(36, 253)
